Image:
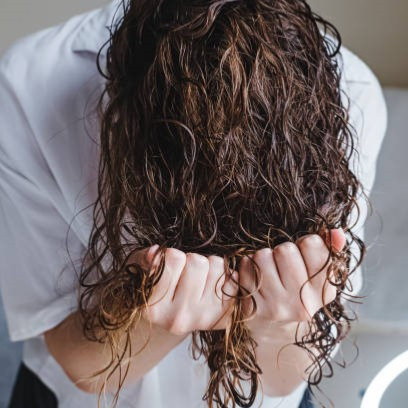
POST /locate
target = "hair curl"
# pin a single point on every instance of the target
(223, 132)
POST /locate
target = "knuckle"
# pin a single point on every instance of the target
(286, 247)
(311, 241)
(280, 313)
(263, 253)
(270, 313)
(216, 261)
(176, 256)
(197, 259)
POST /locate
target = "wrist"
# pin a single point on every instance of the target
(277, 332)
(157, 331)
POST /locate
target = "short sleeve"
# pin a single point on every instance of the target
(36, 283)
(368, 119)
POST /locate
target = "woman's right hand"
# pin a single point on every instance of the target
(188, 295)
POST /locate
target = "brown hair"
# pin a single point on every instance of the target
(223, 132)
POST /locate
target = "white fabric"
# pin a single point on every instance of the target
(48, 172)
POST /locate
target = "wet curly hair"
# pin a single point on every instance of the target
(223, 131)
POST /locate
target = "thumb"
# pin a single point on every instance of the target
(338, 238)
(144, 257)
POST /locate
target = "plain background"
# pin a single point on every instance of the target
(376, 30)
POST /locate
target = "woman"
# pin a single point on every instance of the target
(225, 140)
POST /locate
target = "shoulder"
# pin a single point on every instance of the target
(46, 90)
(364, 99)
(28, 57)
(41, 70)
(354, 68)
(44, 79)
(362, 91)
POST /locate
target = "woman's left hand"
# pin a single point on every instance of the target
(284, 269)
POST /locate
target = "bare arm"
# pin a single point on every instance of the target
(281, 377)
(185, 289)
(284, 269)
(80, 357)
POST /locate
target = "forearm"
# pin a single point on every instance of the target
(80, 357)
(281, 377)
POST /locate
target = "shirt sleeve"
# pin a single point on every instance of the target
(37, 277)
(368, 118)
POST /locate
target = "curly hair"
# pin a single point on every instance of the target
(223, 131)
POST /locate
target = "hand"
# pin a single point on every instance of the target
(283, 270)
(188, 295)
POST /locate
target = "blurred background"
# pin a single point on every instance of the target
(377, 31)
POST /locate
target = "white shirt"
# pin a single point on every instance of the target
(48, 172)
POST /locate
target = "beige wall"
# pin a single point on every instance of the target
(21, 17)
(377, 30)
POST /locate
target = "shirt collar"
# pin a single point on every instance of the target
(94, 31)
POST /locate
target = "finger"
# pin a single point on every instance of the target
(271, 282)
(338, 239)
(215, 278)
(230, 287)
(249, 279)
(174, 263)
(315, 254)
(226, 307)
(291, 267)
(144, 257)
(141, 264)
(192, 281)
